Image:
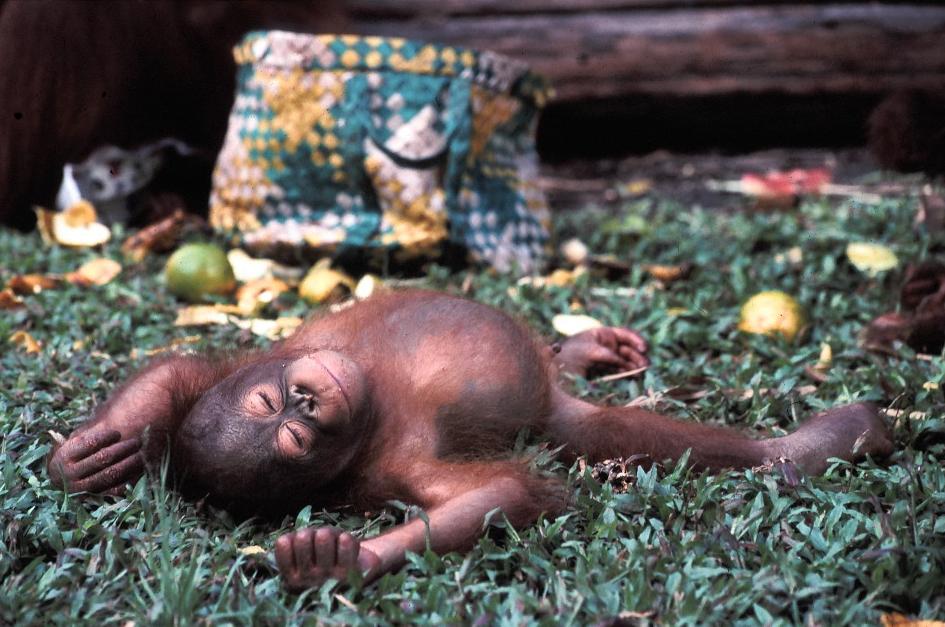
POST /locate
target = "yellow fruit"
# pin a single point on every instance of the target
(195, 271)
(772, 312)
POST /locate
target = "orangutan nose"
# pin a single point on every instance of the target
(304, 400)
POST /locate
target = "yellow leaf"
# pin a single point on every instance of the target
(254, 295)
(95, 272)
(77, 226)
(572, 324)
(871, 258)
(321, 282)
(25, 341)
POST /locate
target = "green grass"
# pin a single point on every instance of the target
(678, 547)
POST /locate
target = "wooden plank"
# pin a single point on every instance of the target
(404, 9)
(800, 49)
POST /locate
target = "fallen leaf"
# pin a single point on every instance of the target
(558, 278)
(26, 284)
(322, 283)
(272, 329)
(871, 258)
(669, 273)
(9, 300)
(256, 294)
(202, 315)
(25, 341)
(76, 226)
(572, 324)
(95, 272)
(158, 237)
(247, 268)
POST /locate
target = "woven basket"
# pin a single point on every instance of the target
(382, 145)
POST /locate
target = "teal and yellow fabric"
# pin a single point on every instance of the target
(382, 144)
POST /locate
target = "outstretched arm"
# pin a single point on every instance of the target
(457, 500)
(109, 450)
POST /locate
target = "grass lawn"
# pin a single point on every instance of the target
(676, 547)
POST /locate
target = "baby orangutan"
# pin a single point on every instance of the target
(415, 396)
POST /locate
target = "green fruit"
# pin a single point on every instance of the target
(772, 312)
(195, 271)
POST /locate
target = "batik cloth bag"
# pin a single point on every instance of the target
(382, 145)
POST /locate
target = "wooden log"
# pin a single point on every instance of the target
(407, 9)
(789, 48)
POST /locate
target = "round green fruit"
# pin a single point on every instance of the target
(196, 271)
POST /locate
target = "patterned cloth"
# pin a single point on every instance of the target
(383, 145)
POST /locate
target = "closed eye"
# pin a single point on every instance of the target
(267, 402)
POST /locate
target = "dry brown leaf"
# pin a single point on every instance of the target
(9, 300)
(899, 620)
(26, 284)
(158, 237)
(201, 315)
(25, 341)
(252, 297)
(669, 273)
(95, 272)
